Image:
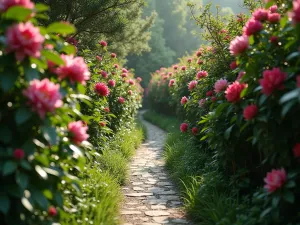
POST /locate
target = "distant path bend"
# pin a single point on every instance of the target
(151, 198)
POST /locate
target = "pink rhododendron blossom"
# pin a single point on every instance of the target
(25, 40)
(240, 76)
(233, 65)
(99, 58)
(75, 69)
(250, 112)
(295, 14)
(199, 62)
(139, 79)
(202, 74)
(101, 89)
(113, 55)
(124, 75)
(252, 26)
(184, 127)
(195, 130)
(124, 70)
(183, 68)
(184, 100)
(106, 109)
(239, 45)
(273, 8)
(104, 74)
(130, 92)
(272, 80)
(190, 60)
(121, 100)
(111, 83)
(260, 14)
(116, 66)
(78, 132)
(220, 85)
(209, 93)
(6, 4)
(43, 96)
(170, 74)
(198, 53)
(202, 102)
(233, 92)
(19, 154)
(175, 67)
(296, 150)
(103, 43)
(52, 211)
(192, 85)
(275, 180)
(171, 83)
(274, 17)
(131, 82)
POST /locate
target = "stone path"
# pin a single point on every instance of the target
(151, 198)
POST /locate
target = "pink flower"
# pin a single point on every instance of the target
(273, 8)
(111, 83)
(183, 68)
(198, 53)
(209, 93)
(202, 102)
(113, 55)
(213, 99)
(272, 80)
(99, 58)
(239, 45)
(220, 85)
(170, 74)
(252, 26)
(202, 74)
(116, 66)
(274, 17)
(124, 70)
(195, 130)
(121, 100)
(131, 82)
(184, 100)
(233, 92)
(75, 69)
(103, 43)
(19, 154)
(104, 74)
(52, 211)
(295, 14)
(130, 92)
(233, 65)
(190, 60)
(6, 4)
(184, 127)
(240, 76)
(171, 82)
(175, 67)
(102, 124)
(124, 75)
(43, 96)
(106, 109)
(260, 14)
(199, 62)
(25, 40)
(72, 41)
(78, 132)
(49, 46)
(298, 81)
(274, 40)
(296, 150)
(250, 112)
(101, 89)
(275, 180)
(192, 85)
(139, 79)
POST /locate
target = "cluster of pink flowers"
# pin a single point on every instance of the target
(183, 68)
(195, 130)
(113, 55)
(74, 68)
(104, 74)
(295, 14)
(184, 100)
(43, 96)
(233, 91)
(139, 79)
(19, 154)
(131, 82)
(239, 45)
(210, 93)
(202, 102)
(184, 127)
(111, 83)
(275, 180)
(103, 43)
(78, 132)
(101, 89)
(6, 4)
(252, 27)
(25, 40)
(202, 74)
(272, 80)
(171, 83)
(192, 85)
(220, 85)
(233, 65)
(121, 100)
(250, 112)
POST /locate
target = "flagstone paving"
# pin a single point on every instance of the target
(150, 197)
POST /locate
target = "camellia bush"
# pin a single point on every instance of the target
(240, 98)
(49, 95)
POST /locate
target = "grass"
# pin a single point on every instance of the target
(204, 190)
(102, 179)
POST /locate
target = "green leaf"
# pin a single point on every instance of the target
(50, 134)
(22, 180)
(289, 196)
(251, 40)
(5, 134)
(227, 132)
(9, 167)
(244, 92)
(59, 199)
(25, 165)
(265, 212)
(290, 184)
(4, 204)
(39, 198)
(18, 13)
(22, 115)
(286, 108)
(31, 74)
(7, 80)
(41, 7)
(61, 28)
(53, 57)
(293, 55)
(290, 95)
(262, 99)
(283, 21)
(69, 49)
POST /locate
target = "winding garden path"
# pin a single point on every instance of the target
(151, 198)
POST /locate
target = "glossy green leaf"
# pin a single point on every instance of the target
(18, 13)
(61, 28)
(53, 57)
(22, 115)
(9, 167)
(4, 204)
(7, 80)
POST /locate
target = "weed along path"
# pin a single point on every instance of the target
(150, 197)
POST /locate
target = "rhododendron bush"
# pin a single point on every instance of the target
(53, 102)
(242, 95)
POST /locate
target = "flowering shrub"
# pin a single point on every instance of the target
(249, 122)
